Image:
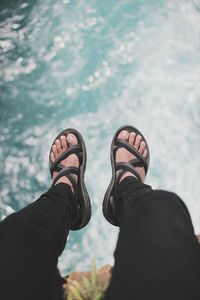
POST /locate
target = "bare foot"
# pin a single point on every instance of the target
(57, 149)
(123, 155)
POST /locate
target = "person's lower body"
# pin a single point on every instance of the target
(31, 241)
(157, 254)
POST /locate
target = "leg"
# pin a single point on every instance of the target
(157, 254)
(31, 241)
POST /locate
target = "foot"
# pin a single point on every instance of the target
(57, 149)
(123, 155)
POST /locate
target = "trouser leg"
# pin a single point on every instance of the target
(31, 241)
(157, 254)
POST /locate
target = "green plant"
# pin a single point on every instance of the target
(88, 288)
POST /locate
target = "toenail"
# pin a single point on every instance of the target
(125, 134)
(138, 139)
(70, 137)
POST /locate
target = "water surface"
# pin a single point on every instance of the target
(97, 65)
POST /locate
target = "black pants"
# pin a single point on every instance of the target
(157, 254)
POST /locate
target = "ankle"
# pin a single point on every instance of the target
(66, 181)
(127, 174)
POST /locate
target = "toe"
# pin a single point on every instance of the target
(72, 139)
(132, 138)
(138, 141)
(54, 150)
(142, 147)
(52, 157)
(124, 135)
(63, 141)
(145, 153)
(58, 145)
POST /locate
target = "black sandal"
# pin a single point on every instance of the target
(109, 209)
(82, 197)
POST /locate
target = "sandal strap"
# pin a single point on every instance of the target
(123, 144)
(58, 168)
(73, 149)
(123, 168)
(119, 175)
(68, 172)
(136, 162)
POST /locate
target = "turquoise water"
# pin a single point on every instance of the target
(97, 65)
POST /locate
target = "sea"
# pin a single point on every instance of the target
(95, 66)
